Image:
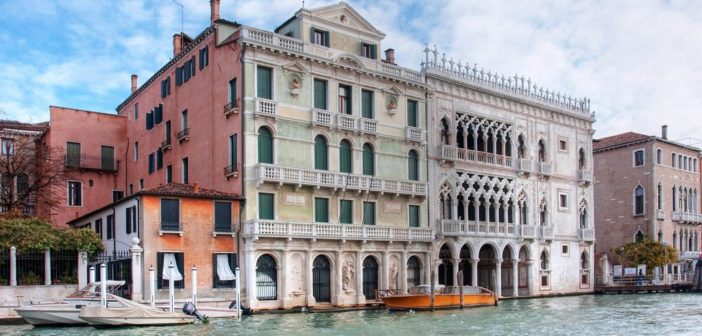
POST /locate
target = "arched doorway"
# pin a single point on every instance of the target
(486, 267)
(523, 271)
(266, 278)
(506, 272)
(465, 265)
(370, 277)
(446, 266)
(321, 279)
(413, 272)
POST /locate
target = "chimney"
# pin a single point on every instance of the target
(214, 11)
(196, 187)
(177, 44)
(134, 83)
(390, 56)
(664, 132)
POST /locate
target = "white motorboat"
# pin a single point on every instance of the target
(131, 314)
(66, 310)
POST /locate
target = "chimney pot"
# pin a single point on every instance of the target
(177, 44)
(196, 187)
(134, 83)
(390, 56)
(664, 132)
(214, 11)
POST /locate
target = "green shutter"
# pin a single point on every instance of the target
(367, 104)
(320, 94)
(264, 83)
(265, 146)
(413, 165)
(368, 160)
(312, 30)
(326, 39)
(369, 213)
(232, 150)
(320, 153)
(373, 49)
(411, 113)
(345, 165)
(232, 91)
(223, 216)
(107, 156)
(72, 154)
(265, 206)
(414, 216)
(346, 212)
(321, 210)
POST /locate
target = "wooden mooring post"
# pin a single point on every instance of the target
(460, 286)
(431, 289)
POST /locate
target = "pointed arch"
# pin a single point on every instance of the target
(639, 197)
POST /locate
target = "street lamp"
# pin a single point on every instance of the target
(665, 266)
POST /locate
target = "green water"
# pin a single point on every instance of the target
(645, 314)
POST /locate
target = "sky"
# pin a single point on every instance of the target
(640, 62)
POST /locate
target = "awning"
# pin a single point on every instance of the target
(224, 272)
(169, 259)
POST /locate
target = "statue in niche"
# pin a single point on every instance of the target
(392, 105)
(295, 86)
(393, 276)
(348, 276)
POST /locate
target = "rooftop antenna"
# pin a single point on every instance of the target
(181, 15)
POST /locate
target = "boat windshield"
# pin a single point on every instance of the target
(425, 289)
(93, 290)
(466, 290)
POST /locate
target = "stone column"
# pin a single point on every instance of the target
(476, 209)
(454, 271)
(47, 267)
(403, 273)
(308, 279)
(283, 279)
(454, 207)
(137, 270)
(360, 299)
(515, 277)
(13, 266)
(530, 277)
(250, 273)
(82, 263)
(498, 277)
(427, 269)
(474, 271)
(386, 270)
(337, 276)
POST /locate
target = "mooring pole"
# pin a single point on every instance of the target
(460, 287)
(171, 289)
(432, 288)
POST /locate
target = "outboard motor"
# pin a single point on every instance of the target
(190, 309)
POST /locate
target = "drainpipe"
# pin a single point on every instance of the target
(126, 170)
(242, 176)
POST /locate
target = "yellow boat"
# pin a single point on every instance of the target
(419, 298)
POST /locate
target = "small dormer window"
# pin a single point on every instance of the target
(320, 37)
(368, 50)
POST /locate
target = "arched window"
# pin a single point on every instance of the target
(321, 161)
(413, 272)
(639, 236)
(370, 277)
(675, 202)
(521, 147)
(672, 160)
(660, 235)
(583, 217)
(659, 197)
(542, 151)
(445, 132)
(581, 159)
(639, 200)
(543, 213)
(675, 240)
(584, 261)
(368, 160)
(266, 278)
(413, 165)
(345, 157)
(659, 156)
(544, 261)
(265, 145)
(321, 279)
(523, 212)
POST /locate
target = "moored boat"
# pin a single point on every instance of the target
(420, 298)
(131, 314)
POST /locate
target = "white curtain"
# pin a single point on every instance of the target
(169, 259)
(224, 272)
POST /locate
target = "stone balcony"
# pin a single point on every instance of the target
(322, 117)
(544, 168)
(687, 217)
(266, 107)
(452, 227)
(584, 176)
(586, 235)
(660, 214)
(297, 230)
(525, 166)
(368, 126)
(455, 154)
(268, 173)
(546, 232)
(413, 134)
(690, 255)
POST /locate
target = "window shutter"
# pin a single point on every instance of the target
(149, 120)
(265, 206)
(186, 72)
(320, 94)
(346, 212)
(192, 65)
(411, 113)
(163, 89)
(326, 39)
(312, 35)
(414, 216)
(159, 159)
(232, 91)
(413, 166)
(202, 59)
(179, 76)
(369, 213)
(368, 160)
(128, 217)
(320, 153)
(265, 146)
(233, 150)
(168, 85)
(107, 157)
(321, 210)
(159, 268)
(373, 48)
(158, 118)
(223, 217)
(367, 104)
(264, 84)
(345, 165)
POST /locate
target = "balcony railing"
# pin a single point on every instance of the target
(587, 234)
(525, 166)
(265, 107)
(322, 178)
(474, 156)
(183, 135)
(91, 163)
(660, 214)
(452, 227)
(544, 168)
(546, 232)
(584, 176)
(346, 121)
(231, 171)
(413, 134)
(166, 144)
(176, 228)
(231, 108)
(687, 217)
(322, 117)
(448, 153)
(368, 126)
(289, 230)
(527, 232)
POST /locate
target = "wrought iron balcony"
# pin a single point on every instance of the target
(183, 135)
(266, 107)
(586, 234)
(231, 108)
(469, 228)
(231, 171)
(413, 134)
(335, 180)
(687, 217)
(297, 230)
(166, 144)
(87, 163)
(175, 228)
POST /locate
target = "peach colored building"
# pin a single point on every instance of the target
(647, 187)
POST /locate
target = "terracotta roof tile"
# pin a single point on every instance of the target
(618, 139)
(188, 190)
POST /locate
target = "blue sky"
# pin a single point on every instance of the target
(640, 62)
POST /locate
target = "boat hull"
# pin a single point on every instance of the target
(441, 301)
(132, 316)
(50, 316)
(136, 321)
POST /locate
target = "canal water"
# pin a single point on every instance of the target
(640, 314)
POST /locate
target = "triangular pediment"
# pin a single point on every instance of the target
(393, 90)
(296, 67)
(342, 14)
(349, 60)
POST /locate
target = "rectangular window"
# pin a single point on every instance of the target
(159, 159)
(164, 271)
(563, 201)
(412, 113)
(320, 37)
(98, 227)
(117, 195)
(367, 104)
(369, 213)
(73, 154)
(223, 266)
(169, 174)
(149, 120)
(187, 70)
(107, 158)
(639, 158)
(414, 215)
(131, 188)
(345, 99)
(110, 226)
(264, 82)
(167, 131)
(562, 145)
(166, 87)
(232, 151)
(158, 114)
(232, 93)
(564, 250)
(8, 147)
(141, 184)
(204, 57)
(152, 163)
(223, 216)
(321, 210)
(659, 156)
(179, 76)
(184, 120)
(136, 151)
(266, 206)
(136, 111)
(75, 193)
(368, 50)
(131, 220)
(170, 214)
(346, 212)
(185, 170)
(320, 94)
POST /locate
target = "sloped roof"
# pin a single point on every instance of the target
(16, 125)
(618, 139)
(188, 190)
